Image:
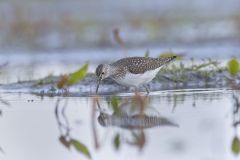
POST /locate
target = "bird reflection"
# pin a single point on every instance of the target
(133, 117)
(137, 121)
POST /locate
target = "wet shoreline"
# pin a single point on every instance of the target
(87, 87)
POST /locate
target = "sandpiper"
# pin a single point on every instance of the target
(132, 71)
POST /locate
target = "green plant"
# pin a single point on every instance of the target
(233, 66)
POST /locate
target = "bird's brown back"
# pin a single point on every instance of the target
(137, 65)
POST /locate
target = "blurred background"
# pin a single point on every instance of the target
(59, 25)
(52, 37)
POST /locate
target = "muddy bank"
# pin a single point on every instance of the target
(87, 87)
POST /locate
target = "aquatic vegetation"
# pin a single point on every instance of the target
(63, 81)
(233, 66)
(73, 78)
(205, 65)
(206, 73)
(47, 80)
(170, 54)
(78, 75)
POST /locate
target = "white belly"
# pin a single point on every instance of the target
(137, 79)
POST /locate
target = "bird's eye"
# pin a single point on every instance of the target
(102, 72)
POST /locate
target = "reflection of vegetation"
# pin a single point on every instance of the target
(138, 139)
(117, 141)
(65, 137)
(236, 111)
(236, 124)
(236, 145)
(233, 69)
(130, 116)
(5, 103)
(176, 99)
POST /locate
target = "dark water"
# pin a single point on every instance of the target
(200, 126)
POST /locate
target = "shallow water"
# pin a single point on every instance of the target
(174, 124)
(30, 127)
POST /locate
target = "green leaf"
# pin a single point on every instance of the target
(78, 75)
(116, 141)
(169, 54)
(115, 103)
(236, 145)
(233, 66)
(80, 147)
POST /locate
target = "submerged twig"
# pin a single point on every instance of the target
(60, 124)
(93, 123)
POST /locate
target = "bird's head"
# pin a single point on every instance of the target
(102, 72)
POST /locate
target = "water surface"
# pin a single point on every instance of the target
(31, 127)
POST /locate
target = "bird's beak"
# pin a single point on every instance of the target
(99, 81)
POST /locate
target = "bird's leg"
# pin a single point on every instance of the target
(147, 89)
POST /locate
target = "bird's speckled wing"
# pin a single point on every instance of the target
(137, 65)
